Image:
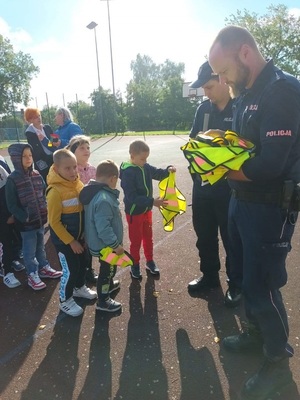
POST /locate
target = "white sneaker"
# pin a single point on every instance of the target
(11, 281)
(34, 281)
(48, 272)
(85, 293)
(70, 307)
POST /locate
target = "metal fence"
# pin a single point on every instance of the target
(12, 134)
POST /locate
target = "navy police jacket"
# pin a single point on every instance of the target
(216, 119)
(268, 114)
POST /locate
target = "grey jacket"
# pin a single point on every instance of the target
(103, 221)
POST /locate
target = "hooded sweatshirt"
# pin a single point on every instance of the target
(136, 183)
(65, 213)
(25, 192)
(103, 221)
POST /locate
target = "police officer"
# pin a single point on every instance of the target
(210, 202)
(261, 222)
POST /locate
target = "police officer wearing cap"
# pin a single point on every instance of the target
(261, 217)
(210, 202)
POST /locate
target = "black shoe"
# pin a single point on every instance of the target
(249, 340)
(152, 267)
(233, 297)
(203, 283)
(91, 276)
(271, 377)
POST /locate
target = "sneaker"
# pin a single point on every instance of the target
(108, 305)
(48, 272)
(204, 282)
(271, 378)
(233, 297)
(85, 293)
(17, 266)
(152, 267)
(11, 281)
(115, 285)
(91, 276)
(135, 271)
(2, 273)
(34, 281)
(70, 307)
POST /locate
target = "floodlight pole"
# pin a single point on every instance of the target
(111, 63)
(92, 25)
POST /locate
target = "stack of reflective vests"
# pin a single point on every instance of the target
(213, 157)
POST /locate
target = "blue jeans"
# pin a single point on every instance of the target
(34, 254)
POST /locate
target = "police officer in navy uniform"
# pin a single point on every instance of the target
(210, 202)
(261, 220)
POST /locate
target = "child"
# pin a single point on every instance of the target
(65, 215)
(80, 146)
(136, 181)
(26, 201)
(6, 235)
(104, 228)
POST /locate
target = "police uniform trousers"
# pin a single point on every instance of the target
(210, 213)
(260, 239)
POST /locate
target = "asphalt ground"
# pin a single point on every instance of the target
(164, 345)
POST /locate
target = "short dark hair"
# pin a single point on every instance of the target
(232, 37)
(107, 169)
(138, 146)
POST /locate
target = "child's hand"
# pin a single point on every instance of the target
(76, 247)
(119, 250)
(159, 202)
(172, 169)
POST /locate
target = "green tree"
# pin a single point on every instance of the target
(277, 34)
(16, 72)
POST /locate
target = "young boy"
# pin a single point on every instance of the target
(80, 146)
(104, 228)
(65, 215)
(136, 181)
(25, 198)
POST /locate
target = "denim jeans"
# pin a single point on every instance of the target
(34, 254)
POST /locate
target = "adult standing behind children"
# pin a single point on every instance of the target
(39, 137)
(66, 127)
(25, 198)
(104, 228)
(210, 202)
(260, 220)
(65, 216)
(80, 146)
(136, 181)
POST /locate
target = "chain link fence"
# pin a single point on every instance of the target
(12, 134)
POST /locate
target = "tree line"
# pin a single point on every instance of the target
(153, 99)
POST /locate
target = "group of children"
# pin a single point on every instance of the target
(84, 218)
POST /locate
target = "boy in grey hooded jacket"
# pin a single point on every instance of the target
(104, 228)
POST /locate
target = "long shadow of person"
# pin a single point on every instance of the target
(98, 382)
(198, 373)
(55, 377)
(143, 375)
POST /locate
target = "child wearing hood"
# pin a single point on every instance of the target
(104, 228)
(65, 215)
(25, 198)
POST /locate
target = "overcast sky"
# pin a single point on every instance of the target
(54, 33)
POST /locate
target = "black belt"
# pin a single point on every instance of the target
(258, 197)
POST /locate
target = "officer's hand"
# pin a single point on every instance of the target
(214, 133)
